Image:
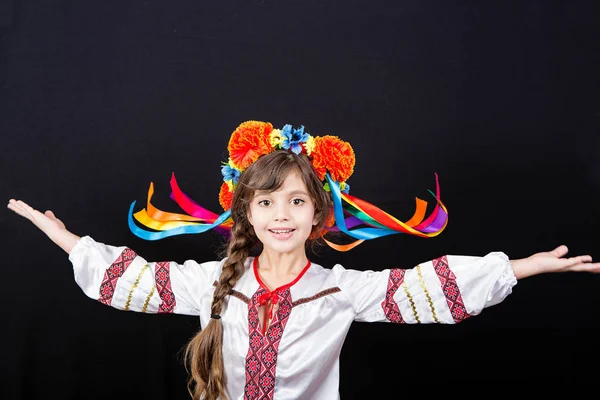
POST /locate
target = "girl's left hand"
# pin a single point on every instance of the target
(553, 261)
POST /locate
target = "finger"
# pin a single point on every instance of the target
(579, 260)
(586, 267)
(25, 208)
(19, 207)
(34, 215)
(560, 251)
(50, 214)
(574, 263)
(23, 205)
(15, 207)
(12, 203)
(29, 209)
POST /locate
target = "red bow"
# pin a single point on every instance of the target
(273, 296)
(262, 300)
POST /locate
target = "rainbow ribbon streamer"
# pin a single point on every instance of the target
(354, 217)
(350, 212)
(165, 224)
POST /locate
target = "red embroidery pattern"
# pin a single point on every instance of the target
(261, 360)
(162, 277)
(450, 288)
(390, 307)
(112, 275)
(239, 295)
(235, 294)
(322, 293)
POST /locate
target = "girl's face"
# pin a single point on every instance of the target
(283, 219)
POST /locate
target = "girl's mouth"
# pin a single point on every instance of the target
(282, 233)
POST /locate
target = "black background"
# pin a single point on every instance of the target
(99, 98)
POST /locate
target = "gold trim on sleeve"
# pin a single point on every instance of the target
(422, 281)
(148, 299)
(135, 284)
(412, 303)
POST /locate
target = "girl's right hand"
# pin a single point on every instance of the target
(47, 222)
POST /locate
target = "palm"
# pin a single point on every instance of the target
(44, 221)
(555, 261)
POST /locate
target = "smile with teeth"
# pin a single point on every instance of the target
(281, 231)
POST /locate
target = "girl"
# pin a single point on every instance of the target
(274, 323)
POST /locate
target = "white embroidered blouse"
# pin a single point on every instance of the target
(298, 356)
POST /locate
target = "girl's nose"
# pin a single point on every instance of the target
(281, 213)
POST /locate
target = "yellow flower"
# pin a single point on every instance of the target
(309, 145)
(275, 138)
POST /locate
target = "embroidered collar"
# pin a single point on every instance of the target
(272, 296)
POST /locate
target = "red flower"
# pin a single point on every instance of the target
(225, 196)
(248, 142)
(334, 155)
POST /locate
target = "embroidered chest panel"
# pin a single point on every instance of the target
(263, 348)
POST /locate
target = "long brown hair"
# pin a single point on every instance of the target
(203, 354)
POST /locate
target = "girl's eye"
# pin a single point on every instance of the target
(297, 202)
(265, 203)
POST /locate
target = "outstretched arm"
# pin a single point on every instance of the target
(119, 277)
(450, 288)
(47, 222)
(553, 261)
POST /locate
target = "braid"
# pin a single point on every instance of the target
(204, 353)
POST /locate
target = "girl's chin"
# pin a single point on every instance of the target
(284, 247)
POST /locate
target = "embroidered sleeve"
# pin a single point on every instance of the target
(118, 277)
(446, 290)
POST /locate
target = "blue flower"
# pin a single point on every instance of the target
(292, 138)
(230, 173)
(345, 188)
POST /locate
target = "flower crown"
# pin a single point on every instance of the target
(252, 139)
(333, 161)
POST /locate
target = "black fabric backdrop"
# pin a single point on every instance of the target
(499, 98)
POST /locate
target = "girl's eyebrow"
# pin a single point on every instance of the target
(292, 193)
(295, 192)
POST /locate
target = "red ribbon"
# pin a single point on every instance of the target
(262, 300)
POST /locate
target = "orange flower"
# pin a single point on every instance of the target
(330, 219)
(329, 222)
(248, 142)
(334, 155)
(225, 196)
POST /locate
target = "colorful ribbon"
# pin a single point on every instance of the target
(165, 224)
(379, 223)
(353, 216)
